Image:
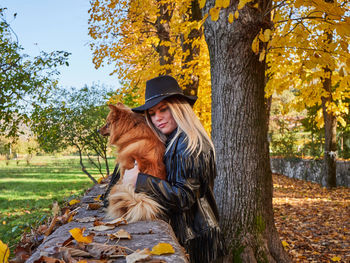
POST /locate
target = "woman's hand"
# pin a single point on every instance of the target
(130, 176)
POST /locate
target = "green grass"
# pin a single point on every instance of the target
(27, 192)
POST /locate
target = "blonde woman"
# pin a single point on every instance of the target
(187, 193)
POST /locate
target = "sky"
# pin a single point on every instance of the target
(49, 25)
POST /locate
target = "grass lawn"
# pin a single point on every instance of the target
(28, 191)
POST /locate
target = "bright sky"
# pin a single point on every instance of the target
(49, 25)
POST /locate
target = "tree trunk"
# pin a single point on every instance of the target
(191, 53)
(83, 166)
(330, 132)
(330, 125)
(244, 187)
(163, 32)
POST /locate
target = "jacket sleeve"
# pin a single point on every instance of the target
(185, 185)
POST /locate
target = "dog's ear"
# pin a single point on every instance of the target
(120, 104)
(112, 107)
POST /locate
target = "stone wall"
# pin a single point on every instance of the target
(310, 170)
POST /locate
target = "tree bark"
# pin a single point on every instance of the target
(330, 131)
(163, 32)
(330, 125)
(243, 188)
(190, 52)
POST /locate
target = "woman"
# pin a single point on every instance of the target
(187, 194)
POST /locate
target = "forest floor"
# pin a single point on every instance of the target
(313, 221)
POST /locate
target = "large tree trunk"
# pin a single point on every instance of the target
(330, 131)
(239, 131)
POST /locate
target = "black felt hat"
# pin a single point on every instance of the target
(159, 88)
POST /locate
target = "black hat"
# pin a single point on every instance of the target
(159, 88)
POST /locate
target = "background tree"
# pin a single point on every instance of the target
(309, 51)
(144, 39)
(24, 82)
(244, 184)
(72, 118)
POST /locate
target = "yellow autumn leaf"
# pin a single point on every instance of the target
(162, 248)
(242, 3)
(285, 244)
(214, 13)
(97, 198)
(236, 14)
(73, 202)
(225, 3)
(267, 35)
(341, 121)
(218, 3)
(255, 45)
(262, 55)
(99, 180)
(77, 234)
(230, 18)
(336, 259)
(201, 3)
(4, 252)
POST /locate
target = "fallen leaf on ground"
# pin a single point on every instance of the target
(117, 222)
(77, 233)
(120, 235)
(86, 219)
(138, 255)
(45, 259)
(162, 248)
(97, 198)
(73, 202)
(75, 252)
(101, 228)
(94, 206)
(98, 250)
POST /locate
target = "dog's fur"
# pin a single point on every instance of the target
(135, 141)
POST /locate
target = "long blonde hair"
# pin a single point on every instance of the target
(187, 122)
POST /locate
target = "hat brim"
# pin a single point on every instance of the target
(153, 102)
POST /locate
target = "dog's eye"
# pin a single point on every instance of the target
(107, 125)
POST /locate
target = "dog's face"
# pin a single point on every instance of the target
(118, 121)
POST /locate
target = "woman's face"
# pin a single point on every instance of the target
(162, 118)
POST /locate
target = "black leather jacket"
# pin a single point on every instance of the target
(187, 194)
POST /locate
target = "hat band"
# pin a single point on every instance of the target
(163, 94)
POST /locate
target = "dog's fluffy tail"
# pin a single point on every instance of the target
(124, 202)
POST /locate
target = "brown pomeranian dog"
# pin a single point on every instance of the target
(134, 141)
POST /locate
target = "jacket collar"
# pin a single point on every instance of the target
(170, 136)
